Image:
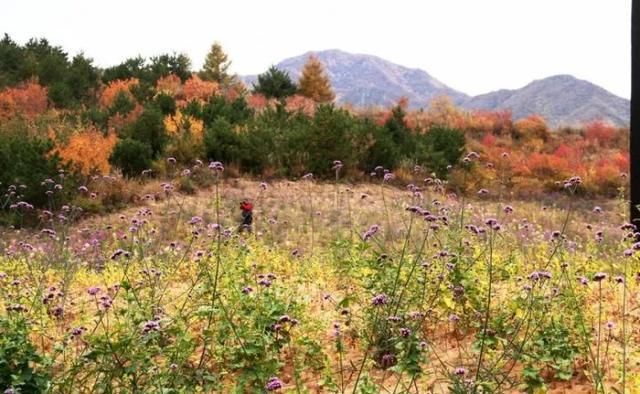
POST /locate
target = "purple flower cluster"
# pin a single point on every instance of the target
(380, 299)
(151, 325)
(273, 384)
(373, 230)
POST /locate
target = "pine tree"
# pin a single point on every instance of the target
(275, 83)
(216, 65)
(314, 83)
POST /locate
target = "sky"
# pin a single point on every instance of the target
(474, 46)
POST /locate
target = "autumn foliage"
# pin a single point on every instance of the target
(179, 124)
(111, 91)
(198, 89)
(28, 99)
(88, 151)
(314, 83)
(171, 85)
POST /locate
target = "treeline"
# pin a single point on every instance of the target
(61, 114)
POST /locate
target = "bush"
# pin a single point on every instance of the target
(166, 104)
(221, 142)
(26, 160)
(149, 129)
(21, 366)
(122, 104)
(439, 148)
(131, 157)
(381, 149)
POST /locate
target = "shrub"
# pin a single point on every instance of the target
(131, 157)
(89, 151)
(166, 103)
(21, 366)
(439, 148)
(221, 142)
(150, 130)
(26, 160)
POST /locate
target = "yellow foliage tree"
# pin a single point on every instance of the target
(443, 112)
(314, 83)
(179, 123)
(89, 151)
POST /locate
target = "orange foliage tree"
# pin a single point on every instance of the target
(314, 82)
(301, 103)
(171, 85)
(498, 122)
(89, 151)
(197, 89)
(29, 99)
(257, 101)
(110, 92)
(531, 127)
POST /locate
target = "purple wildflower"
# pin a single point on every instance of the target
(273, 384)
(599, 276)
(460, 371)
(380, 299)
(93, 290)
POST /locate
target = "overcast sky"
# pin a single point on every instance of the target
(471, 45)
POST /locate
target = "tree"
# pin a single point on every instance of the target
(165, 65)
(82, 78)
(12, 59)
(216, 65)
(397, 126)
(197, 89)
(439, 148)
(88, 151)
(314, 83)
(129, 69)
(131, 156)
(149, 129)
(275, 83)
(29, 99)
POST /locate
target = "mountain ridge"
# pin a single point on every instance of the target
(365, 80)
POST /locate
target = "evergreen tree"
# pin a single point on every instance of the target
(314, 83)
(216, 65)
(165, 64)
(12, 61)
(275, 83)
(130, 68)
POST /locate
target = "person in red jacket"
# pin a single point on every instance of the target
(247, 215)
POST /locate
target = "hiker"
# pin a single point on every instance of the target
(247, 215)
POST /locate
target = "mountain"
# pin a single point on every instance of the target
(366, 80)
(560, 99)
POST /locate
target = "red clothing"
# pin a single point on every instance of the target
(246, 206)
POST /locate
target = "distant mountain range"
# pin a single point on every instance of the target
(366, 80)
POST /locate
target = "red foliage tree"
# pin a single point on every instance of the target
(29, 99)
(599, 132)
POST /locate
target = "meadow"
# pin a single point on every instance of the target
(373, 287)
(410, 251)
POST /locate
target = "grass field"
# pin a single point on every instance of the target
(364, 288)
